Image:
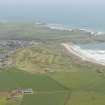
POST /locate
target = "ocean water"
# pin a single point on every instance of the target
(92, 52)
(93, 46)
(95, 53)
(89, 17)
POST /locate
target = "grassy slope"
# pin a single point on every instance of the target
(87, 87)
(83, 88)
(41, 59)
(45, 88)
(44, 58)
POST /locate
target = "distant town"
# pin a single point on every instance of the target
(8, 47)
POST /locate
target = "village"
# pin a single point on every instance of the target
(8, 47)
(16, 93)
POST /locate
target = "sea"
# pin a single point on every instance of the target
(77, 16)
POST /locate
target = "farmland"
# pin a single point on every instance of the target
(44, 87)
(57, 88)
(87, 87)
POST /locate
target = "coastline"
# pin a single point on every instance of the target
(61, 27)
(86, 55)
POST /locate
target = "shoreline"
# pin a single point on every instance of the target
(61, 27)
(86, 55)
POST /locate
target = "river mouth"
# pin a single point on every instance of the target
(92, 52)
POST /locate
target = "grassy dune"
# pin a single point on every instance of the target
(41, 59)
(45, 58)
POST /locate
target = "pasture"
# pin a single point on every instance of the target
(46, 90)
(58, 88)
(87, 87)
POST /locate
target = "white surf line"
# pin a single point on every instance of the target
(61, 27)
(71, 50)
(84, 55)
(58, 27)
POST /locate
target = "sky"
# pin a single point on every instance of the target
(51, 2)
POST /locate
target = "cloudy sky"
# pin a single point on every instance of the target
(51, 2)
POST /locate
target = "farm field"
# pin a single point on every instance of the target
(46, 90)
(87, 88)
(46, 99)
(58, 88)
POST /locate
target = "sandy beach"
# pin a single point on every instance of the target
(94, 56)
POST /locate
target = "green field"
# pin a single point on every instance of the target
(64, 88)
(3, 101)
(78, 87)
(45, 99)
(44, 87)
(87, 88)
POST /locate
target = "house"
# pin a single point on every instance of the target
(24, 91)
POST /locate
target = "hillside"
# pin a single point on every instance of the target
(41, 59)
(48, 58)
